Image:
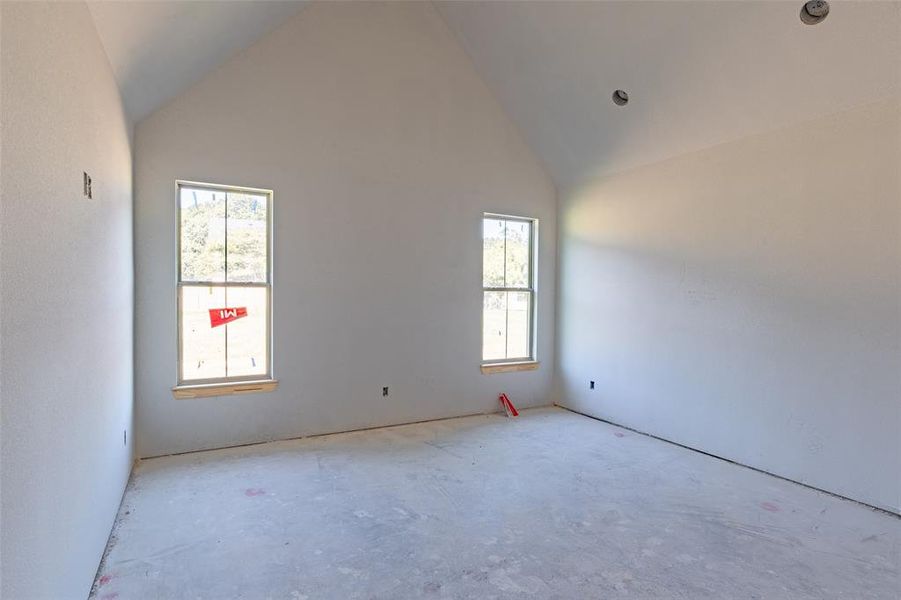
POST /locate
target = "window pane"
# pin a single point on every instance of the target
(494, 326)
(247, 238)
(224, 330)
(248, 350)
(492, 253)
(202, 234)
(203, 346)
(506, 323)
(518, 318)
(517, 254)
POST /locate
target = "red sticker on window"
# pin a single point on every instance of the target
(221, 316)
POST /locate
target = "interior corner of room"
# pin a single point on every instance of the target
(620, 278)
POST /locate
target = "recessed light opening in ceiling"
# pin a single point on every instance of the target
(814, 12)
(620, 98)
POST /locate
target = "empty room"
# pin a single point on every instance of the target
(450, 299)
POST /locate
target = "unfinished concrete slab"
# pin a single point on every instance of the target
(549, 505)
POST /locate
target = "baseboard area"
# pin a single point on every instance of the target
(315, 435)
(765, 472)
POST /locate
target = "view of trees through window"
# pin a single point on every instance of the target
(507, 286)
(224, 285)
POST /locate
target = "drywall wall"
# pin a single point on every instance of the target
(383, 148)
(66, 291)
(745, 300)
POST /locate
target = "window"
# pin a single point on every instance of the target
(508, 289)
(224, 284)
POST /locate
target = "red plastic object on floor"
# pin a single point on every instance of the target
(507, 406)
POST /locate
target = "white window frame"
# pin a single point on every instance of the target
(268, 284)
(532, 289)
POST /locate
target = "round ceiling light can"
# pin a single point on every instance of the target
(620, 97)
(814, 11)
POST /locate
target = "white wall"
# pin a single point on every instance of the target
(66, 292)
(383, 148)
(745, 300)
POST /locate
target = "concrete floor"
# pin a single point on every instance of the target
(549, 505)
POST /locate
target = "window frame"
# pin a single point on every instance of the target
(182, 383)
(532, 290)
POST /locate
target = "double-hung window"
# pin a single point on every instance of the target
(508, 289)
(224, 284)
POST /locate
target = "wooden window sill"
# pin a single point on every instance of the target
(530, 365)
(224, 389)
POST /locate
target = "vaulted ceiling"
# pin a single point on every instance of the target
(160, 48)
(698, 73)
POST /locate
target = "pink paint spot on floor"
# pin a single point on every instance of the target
(619, 434)
(105, 579)
(110, 596)
(254, 492)
(770, 506)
